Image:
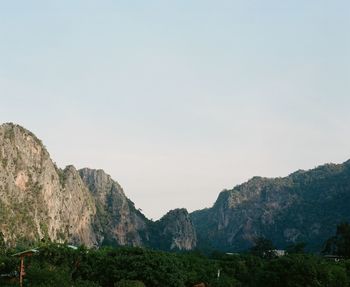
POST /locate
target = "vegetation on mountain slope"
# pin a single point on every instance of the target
(303, 207)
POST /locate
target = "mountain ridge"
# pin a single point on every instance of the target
(39, 200)
(86, 206)
(303, 206)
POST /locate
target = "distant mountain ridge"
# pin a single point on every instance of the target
(303, 207)
(39, 201)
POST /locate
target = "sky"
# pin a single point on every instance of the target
(178, 100)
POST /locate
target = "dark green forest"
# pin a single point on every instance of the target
(61, 265)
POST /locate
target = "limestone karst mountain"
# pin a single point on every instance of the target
(175, 229)
(39, 200)
(303, 207)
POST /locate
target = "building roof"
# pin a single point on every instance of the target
(26, 253)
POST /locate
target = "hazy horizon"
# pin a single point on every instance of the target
(180, 100)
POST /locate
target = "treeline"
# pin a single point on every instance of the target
(59, 265)
(62, 266)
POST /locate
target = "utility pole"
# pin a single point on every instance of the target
(21, 272)
(22, 255)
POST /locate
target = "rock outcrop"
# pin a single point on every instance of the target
(174, 231)
(121, 223)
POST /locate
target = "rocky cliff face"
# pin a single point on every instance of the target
(39, 200)
(121, 223)
(303, 207)
(174, 231)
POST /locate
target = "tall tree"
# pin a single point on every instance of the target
(340, 243)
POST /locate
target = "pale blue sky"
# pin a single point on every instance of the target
(178, 100)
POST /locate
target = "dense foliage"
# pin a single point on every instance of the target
(340, 243)
(59, 265)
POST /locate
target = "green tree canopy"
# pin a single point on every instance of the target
(340, 243)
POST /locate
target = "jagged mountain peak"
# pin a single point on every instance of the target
(99, 181)
(15, 131)
(175, 231)
(175, 212)
(32, 199)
